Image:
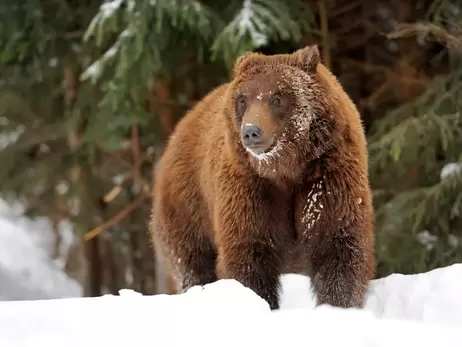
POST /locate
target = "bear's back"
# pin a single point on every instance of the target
(197, 128)
(184, 174)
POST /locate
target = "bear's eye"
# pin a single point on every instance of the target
(241, 104)
(276, 100)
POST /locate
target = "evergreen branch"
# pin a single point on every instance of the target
(13, 106)
(425, 205)
(436, 8)
(103, 21)
(189, 15)
(429, 132)
(256, 22)
(429, 102)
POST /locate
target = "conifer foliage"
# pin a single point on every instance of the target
(416, 158)
(90, 90)
(148, 38)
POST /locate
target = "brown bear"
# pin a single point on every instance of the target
(268, 174)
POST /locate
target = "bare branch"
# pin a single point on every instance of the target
(117, 218)
(430, 32)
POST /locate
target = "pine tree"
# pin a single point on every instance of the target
(416, 160)
(158, 38)
(45, 164)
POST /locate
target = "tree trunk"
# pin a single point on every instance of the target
(111, 271)
(161, 96)
(94, 271)
(163, 108)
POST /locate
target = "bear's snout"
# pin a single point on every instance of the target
(259, 128)
(252, 135)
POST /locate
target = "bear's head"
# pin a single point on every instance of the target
(282, 111)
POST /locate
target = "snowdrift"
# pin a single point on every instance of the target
(26, 269)
(413, 310)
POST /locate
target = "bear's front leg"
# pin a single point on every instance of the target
(253, 264)
(337, 226)
(340, 270)
(246, 223)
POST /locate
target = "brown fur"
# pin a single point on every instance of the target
(303, 206)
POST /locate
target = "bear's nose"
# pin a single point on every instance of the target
(251, 135)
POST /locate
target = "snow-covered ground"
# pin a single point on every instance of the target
(401, 310)
(414, 310)
(26, 268)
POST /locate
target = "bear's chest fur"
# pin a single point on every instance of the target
(295, 216)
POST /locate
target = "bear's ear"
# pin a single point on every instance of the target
(309, 58)
(243, 63)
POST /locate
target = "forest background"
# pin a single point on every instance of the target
(91, 90)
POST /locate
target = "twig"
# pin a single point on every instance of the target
(135, 141)
(344, 9)
(388, 72)
(72, 35)
(133, 173)
(117, 218)
(136, 154)
(367, 67)
(428, 29)
(381, 90)
(112, 193)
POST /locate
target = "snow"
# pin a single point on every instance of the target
(11, 137)
(108, 8)
(401, 310)
(111, 52)
(94, 70)
(53, 62)
(247, 22)
(126, 33)
(450, 169)
(313, 208)
(427, 239)
(26, 268)
(453, 241)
